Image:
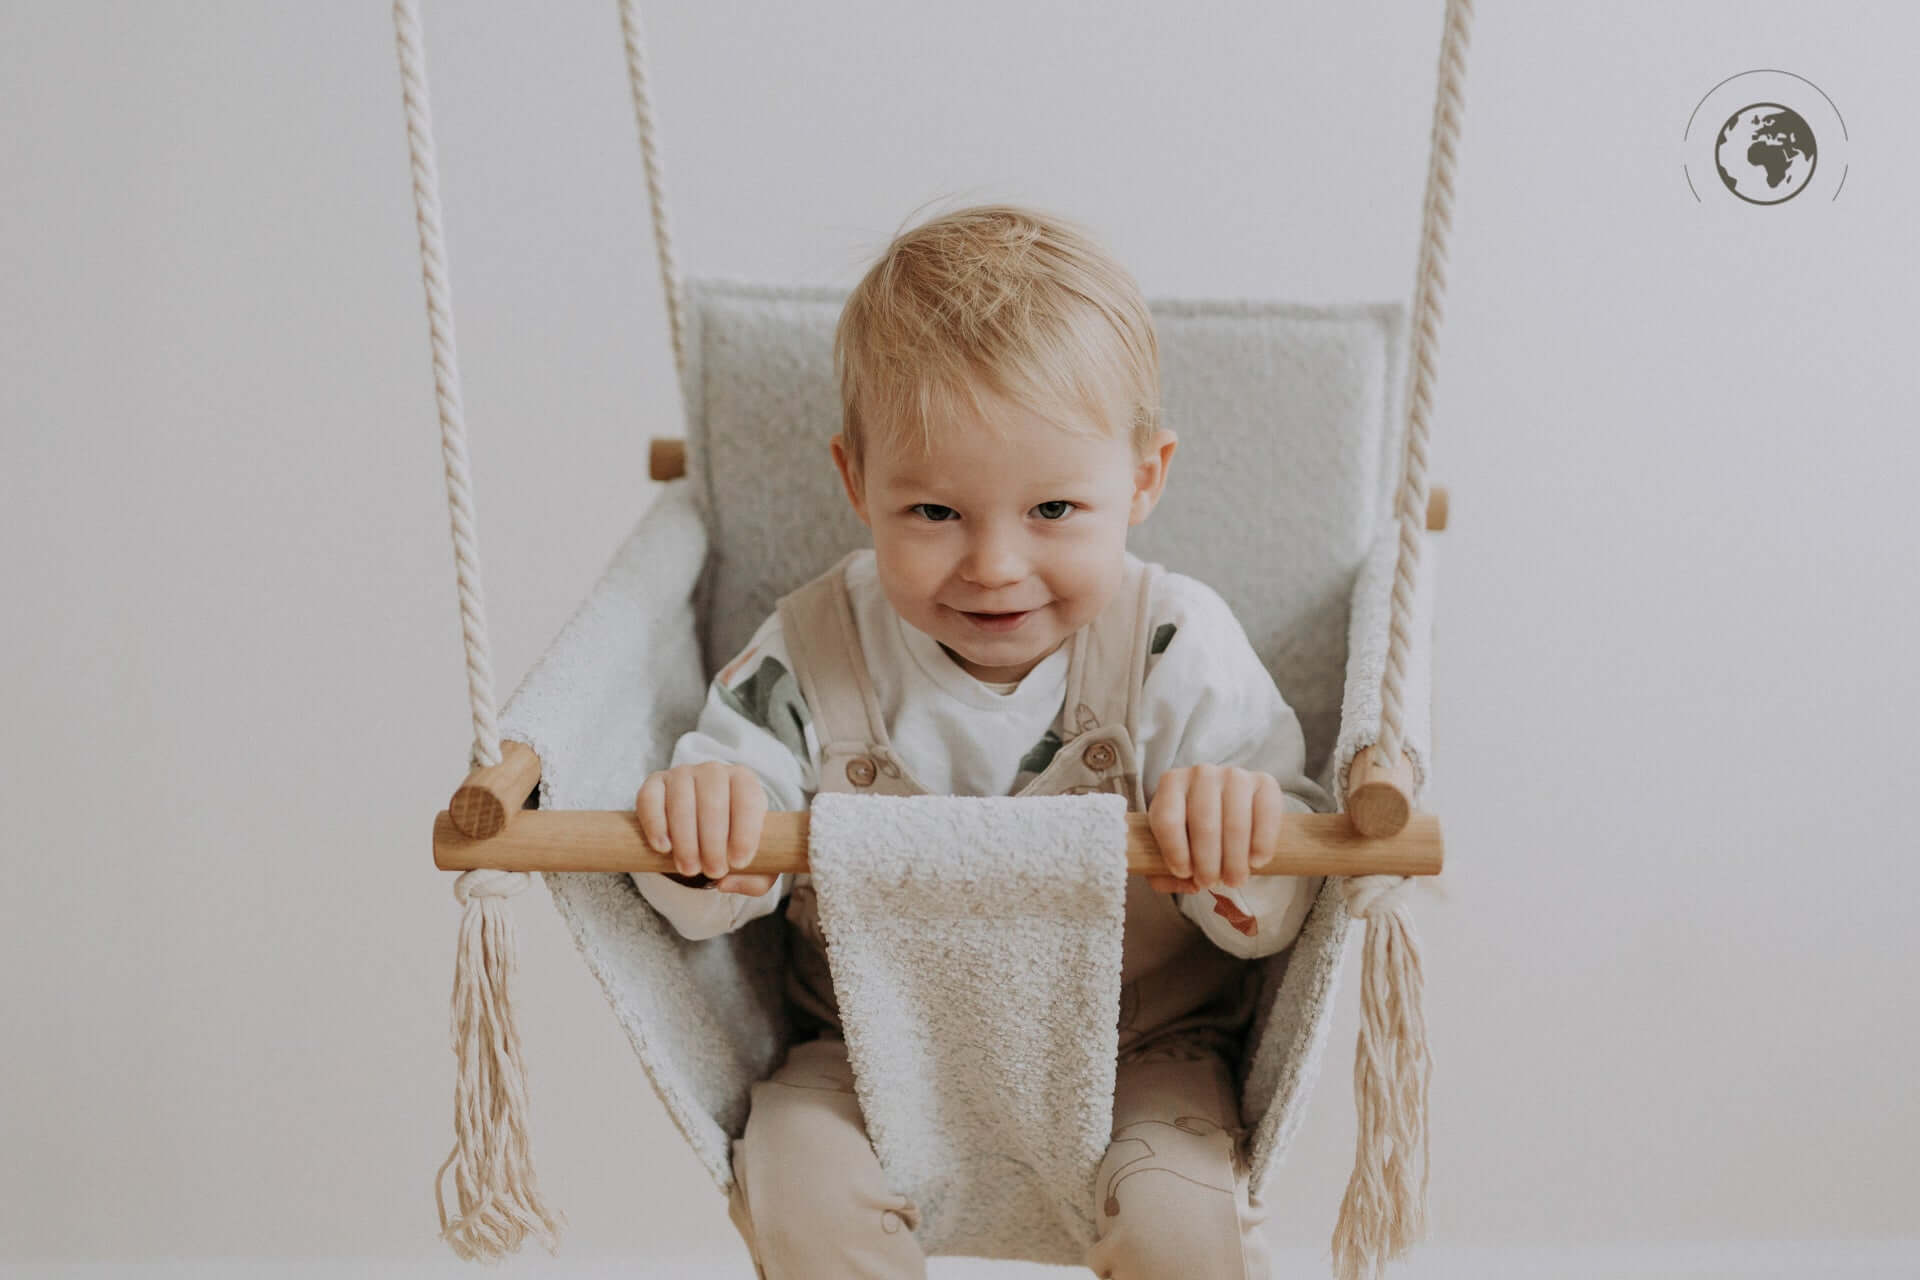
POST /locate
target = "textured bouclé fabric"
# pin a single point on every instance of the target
(975, 947)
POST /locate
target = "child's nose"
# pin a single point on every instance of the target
(995, 560)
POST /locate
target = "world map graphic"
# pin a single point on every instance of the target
(1765, 153)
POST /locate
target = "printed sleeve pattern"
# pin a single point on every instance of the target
(754, 715)
(1208, 699)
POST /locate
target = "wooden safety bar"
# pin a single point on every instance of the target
(667, 460)
(1379, 798)
(1311, 844)
(485, 826)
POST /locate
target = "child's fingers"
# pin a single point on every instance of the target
(651, 805)
(749, 810)
(1203, 823)
(683, 821)
(713, 797)
(1236, 824)
(1269, 812)
(745, 882)
(1167, 819)
(1172, 884)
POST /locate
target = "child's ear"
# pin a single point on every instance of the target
(1150, 476)
(849, 478)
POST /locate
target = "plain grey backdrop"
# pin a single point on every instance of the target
(1670, 966)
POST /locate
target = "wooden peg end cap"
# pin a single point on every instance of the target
(667, 458)
(1379, 798)
(1437, 508)
(491, 794)
(477, 812)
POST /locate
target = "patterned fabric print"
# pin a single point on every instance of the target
(1134, 1151)
(1177, 1118)
(1226, 908)
(835, 1075)
(770, 698)
(1230, 911)
(1035, 762)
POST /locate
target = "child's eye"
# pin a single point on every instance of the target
(930, 508)
(1062, 503)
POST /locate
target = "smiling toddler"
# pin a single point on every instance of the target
(1001, 432)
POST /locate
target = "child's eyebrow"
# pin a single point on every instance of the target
(918, 480)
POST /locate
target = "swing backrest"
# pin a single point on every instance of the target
(1289, 424)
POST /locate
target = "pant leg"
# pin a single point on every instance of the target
(1172, 1197)
(810, 1198)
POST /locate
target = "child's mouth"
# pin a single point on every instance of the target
(997, 621)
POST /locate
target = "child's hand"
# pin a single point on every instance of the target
(1214, 824)
(708, 816)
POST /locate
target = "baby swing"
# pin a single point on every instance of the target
(1314, 415)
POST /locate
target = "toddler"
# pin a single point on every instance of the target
(999, 383)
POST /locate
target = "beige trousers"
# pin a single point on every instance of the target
(1171, 1198)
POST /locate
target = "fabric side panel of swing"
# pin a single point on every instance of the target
(1301, 980)
(603, 708)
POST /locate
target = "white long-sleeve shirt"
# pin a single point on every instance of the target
(1206, 699)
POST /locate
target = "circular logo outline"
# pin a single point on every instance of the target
(1686, 136)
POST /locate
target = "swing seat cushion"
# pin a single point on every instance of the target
(1280, 497)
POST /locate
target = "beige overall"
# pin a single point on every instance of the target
(810, 1197)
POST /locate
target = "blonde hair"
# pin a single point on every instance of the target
(1022, 304)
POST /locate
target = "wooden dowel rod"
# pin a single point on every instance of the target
(483, 802)
(1311, 844)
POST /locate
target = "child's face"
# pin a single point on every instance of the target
(1032, 522)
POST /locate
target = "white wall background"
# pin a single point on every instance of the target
(1671, 963)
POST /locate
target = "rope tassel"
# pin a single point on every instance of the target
(1383, 1212)
(493, 1173)
(499, 1196)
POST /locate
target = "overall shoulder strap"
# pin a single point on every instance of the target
(816, 620)
(1109, 659)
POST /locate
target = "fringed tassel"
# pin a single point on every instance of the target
(1384, 1212)
(499, 1196)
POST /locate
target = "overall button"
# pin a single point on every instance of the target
(861, 771)
(1101, 755)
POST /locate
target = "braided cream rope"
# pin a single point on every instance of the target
(446, 385)
(493, 1174)
(1384, 1210)
(656, 185)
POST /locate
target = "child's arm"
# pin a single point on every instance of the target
(1208, 699)
(754, 716)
